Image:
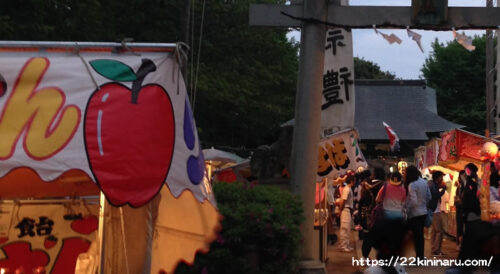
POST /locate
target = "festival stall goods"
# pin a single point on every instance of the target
(450, 154)
(82, 119)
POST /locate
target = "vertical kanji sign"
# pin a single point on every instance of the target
(337, 106)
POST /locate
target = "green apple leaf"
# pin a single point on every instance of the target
(113, 70)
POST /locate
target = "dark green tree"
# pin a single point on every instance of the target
(364, 69)
(458, 76)
(247, 78)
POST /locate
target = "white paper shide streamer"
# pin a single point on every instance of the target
(464, 40)
(415, 37)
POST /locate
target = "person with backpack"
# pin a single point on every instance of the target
(369, 191)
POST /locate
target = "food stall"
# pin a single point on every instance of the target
(339, 155)
(450, 154)
(100, 163)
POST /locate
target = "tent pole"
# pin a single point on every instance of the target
(100, 232)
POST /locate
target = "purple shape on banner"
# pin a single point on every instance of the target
(196, 168)
(188, 127)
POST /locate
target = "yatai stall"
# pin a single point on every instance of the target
(338, 155)
(100, 163)
(450, 154)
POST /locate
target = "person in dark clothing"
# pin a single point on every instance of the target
(359, 221)
(460, 185)
(477, 233)
(472, 214)
(369, 191)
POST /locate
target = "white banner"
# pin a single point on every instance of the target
(339, 154)
(337, 106)
(124, 119)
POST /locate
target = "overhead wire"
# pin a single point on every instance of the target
(191, 71)
(199, 54)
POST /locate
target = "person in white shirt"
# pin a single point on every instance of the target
(437, 220)
(346, 206)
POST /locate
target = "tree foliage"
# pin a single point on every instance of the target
(364, 69)
(260, 232)
(458, 76)
(247, 78)
(247, 75)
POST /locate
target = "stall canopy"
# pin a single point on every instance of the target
(220, 158)
(453, 150)
(76, 118)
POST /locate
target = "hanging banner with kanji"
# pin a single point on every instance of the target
(46, 236)
(339, 154)
(122, 119)
(420, 154)
(337, 106)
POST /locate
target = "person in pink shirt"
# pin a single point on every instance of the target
(393, 197)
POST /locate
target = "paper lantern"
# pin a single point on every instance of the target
(490, 150)
(402, 165)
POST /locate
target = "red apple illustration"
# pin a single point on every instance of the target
(129, 134)
(49, 242)
(85, 225)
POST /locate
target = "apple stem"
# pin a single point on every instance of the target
(146, 67)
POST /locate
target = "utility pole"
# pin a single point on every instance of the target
(490, 84)
(496, 111)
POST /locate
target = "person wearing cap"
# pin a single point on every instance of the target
(346, 205)
(393, 197)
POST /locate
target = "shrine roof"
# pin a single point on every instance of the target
(408, 106)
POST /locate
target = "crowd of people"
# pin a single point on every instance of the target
(391, 210)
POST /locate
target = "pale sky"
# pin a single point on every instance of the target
(405, 59)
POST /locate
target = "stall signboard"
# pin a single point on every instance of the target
(448, 150)
(470, 145)
(50, 236)
(459, 146)
(431, 152)
(337, 105)
(123, 119)
(339, 154)
(420, 158)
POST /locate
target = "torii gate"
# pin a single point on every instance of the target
(313, 16)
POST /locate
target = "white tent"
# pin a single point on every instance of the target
(221, 159)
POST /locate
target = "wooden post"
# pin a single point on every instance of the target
(490, 84)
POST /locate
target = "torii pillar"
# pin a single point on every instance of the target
(304, 157)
